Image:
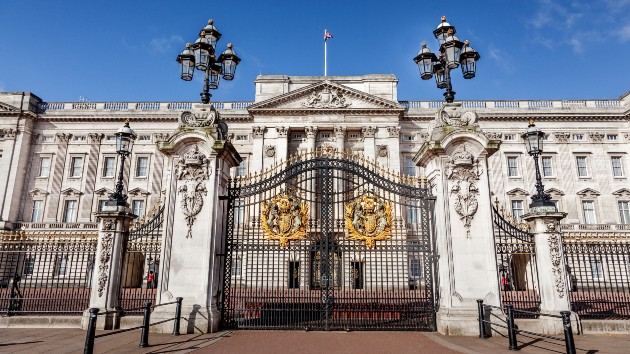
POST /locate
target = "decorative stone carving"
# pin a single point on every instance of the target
(326, 98)
(626, 136)
(282, 131)
(192, 168)
(381, 150)
(563, 137)
(340, 132)
(63, 137)
(258, 132)
(393, 132)
(270, 150)
(454, 117)
(95, 138)
(230, 137)
(463, 170)
(71, 192)
(622, 193)
(493, 135)
(9, 133)
(36, 192)
(597, 137)
(588, 193)
(35, 138)
(311, 132)
(423, 136)
(160, 137)
(556, 260)
(106, 255)
(203, 117)
(368, 131)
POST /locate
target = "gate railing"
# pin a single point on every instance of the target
(141, 261)
(516, 262)
(46, 272)
(598, 273)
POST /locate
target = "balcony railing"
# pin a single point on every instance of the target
(56, 225)
(134, 106)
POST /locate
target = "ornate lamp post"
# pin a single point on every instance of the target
(124, 143)
(201, 56)
(452, 54)
(534, 139)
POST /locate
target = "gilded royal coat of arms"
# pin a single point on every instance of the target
(284, 218)
(369, 219)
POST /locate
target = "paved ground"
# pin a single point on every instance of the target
(280, 342)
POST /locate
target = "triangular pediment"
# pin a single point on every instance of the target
(554, 191)
(103, 191)
(71, 192)
(324, 96)
(622, 193)
(518, 192)
(8, 108)
(588, 192)
(37, 192)
(139, 192)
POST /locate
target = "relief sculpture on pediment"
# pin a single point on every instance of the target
(326, 98)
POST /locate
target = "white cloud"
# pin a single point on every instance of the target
(504, 61)
(166, 44)
(624, 33)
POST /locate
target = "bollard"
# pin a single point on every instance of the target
(568, 332)
(511, 329)
(178, 315)
(144, 335)
(91, 332)
(482, 325)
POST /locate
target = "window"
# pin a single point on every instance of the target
(48, 139)
(512, 166)
(294, 275)
(61, 266)
(353, 136)
(44, 167)
(110, 137)
(407, 137)
(241, 170)
(142, 166)
(29, 266)
(77, 167)
(102, 204)
(70, 211)
(297, 136)
(410, 167)
(144, 138)
(578, 137)
(109, 167)
(624, 212)
(616, 166)
(581, 166)
(414, 268)
(237, 266)
(546, 166)
(325, 135)
(588, 208)
(611, 137)
(78, 138)
(241, 138)
(138, 208)
(517, 209)
(510, 137)
(413, 213)
(38, 211)
(239, 212)
(597, 269)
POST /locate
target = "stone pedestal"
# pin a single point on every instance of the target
(114, 223)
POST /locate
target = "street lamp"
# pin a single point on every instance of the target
(124, 143)
(452, 54)
(201, 56)
(534, 139)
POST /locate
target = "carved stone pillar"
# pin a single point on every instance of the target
(114, 223)
(282, 143)
(311, 134)
(455, 161)
(340, 138)
(258, 134)
(369, 150)
(394, 148)
(16, 147)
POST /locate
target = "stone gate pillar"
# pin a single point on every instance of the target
(195, 223)
(455, 161)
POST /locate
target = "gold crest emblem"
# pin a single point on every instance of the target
(369, 218)
(284, 218)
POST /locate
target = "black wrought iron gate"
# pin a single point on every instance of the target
(329, 241)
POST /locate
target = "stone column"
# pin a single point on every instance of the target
(114, 223)
(340, 138)
(57, 175)
(282, 143)
(394, 148)
(551, 265)
(258, 134)
(17, 149)
(311, 134)
(455, 160)
(369, 133)
(92, 171)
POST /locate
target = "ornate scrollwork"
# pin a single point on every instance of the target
(192, 168)
(326, 98)
(270, 150)
(556, 260)
(463, 170)
(198, 118)
(284, 218)
(369, 219)
(192, 201)
(106, 255)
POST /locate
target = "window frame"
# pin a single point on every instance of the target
(584, 211)
(66, 203)
(73, 167)
(41, 164)
(41, 210)
(104, 167)
(140, 215)
(577, 165)
(241, 169)
(513, 209)
(620, 167)
(137, 169)
(516, 167)
(624, 213)
(542, 165)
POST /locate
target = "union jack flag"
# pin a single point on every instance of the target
(327, 35)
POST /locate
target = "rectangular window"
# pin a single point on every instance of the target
(611, 137)
(509, 137)
(581, 166)
(77, 167)
(44, 167)
(138, 208)
(142, 166)
(101, 204)
(512, 166)
(546, 166)
(109, 167)
(616, 166)
(414, 268)
(597, 269)
(410, 166)
(70, 211)
(353, 136)
(357, 275)
(241, 170)
(517, 209)
(407, 137)
(578, 137)
(624, 212)
(29, 266)
(237, 266)
(297, 136)
(294, 275)
(38, 211)
(413, 214)
(588, 208)
(241, 138)
(239, 212)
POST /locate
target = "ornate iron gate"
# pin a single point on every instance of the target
(141, 262)
(329, 241)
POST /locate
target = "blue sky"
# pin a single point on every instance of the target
(125, 50)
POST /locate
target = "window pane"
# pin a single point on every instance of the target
(239, 211)
(624, 212)
(581, 165)
(616, 166)
(101, 204)
(414, 268)
(410, 167)
(138, 208)
(241, 170)
(44, 167)
(512, 167)
(38, 211)
(77, 165)
(109, 166)
(142, 167)
(588, 207)
(547, 170)
(70, 214)
(517, 208)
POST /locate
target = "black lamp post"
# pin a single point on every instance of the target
(124, 143)
(201, 56)
(534, 138)
(453, 53)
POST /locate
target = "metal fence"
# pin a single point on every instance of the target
(598, 273)
(46, 271)
(516, 262)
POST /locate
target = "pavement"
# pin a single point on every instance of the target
(249, 342)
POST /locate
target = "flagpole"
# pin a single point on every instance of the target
(325, 55)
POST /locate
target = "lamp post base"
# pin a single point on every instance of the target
(542, 206)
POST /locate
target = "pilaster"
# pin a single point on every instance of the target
(311, 134)
(258, 134)
(340, 138)
(394, 148)
(369, 149)
(282, 143)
